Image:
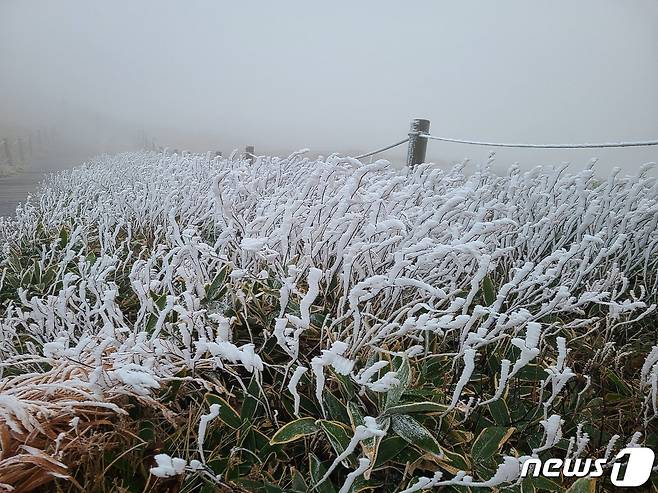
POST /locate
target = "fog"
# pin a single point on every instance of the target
(335, 77)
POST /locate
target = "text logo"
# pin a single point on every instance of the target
(638, 467)
(639, 464)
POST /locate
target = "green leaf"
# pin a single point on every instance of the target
(269, 488)
(255, 440)
(243, 434)
(338, 434)
(337, 409)
(49, 276)
(36, 276)
(218, 465)
(346, 386)
(63, 237)
(532, 373)
(416, 434)
(147, 431)
(489, 441)
(583, 485)
(434, 371)
(294, 430)
(404, 376)
(500, 412)
(298, 482)
(159, 300)
(150, 322)
(621, 386)
(250, 404)
(416, 407)
(389, 448)
(488, 290)
(317, 472)
(455, 462)
(26, 280)
(251, 485)
(226, 413)
(369, 445)
(356, 416)
(214, 290)
(356, 419)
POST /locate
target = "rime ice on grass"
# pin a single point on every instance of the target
(475, 261)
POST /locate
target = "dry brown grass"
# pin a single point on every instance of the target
(52, 422)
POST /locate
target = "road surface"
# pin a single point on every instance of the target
(15, 189)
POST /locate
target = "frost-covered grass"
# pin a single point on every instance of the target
(296, 325)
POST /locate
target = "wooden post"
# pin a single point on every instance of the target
(249, 154)
(417, 145)
(5, 145)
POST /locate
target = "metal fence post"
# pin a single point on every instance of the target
(417, 145)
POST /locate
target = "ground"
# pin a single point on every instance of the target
(15, 189)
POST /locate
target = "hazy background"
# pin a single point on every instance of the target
(341, 76)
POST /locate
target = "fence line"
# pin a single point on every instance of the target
(544, 146)
(419, 135)
(377, 151)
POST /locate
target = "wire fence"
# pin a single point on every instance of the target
(377, 151)
(544, 146)
(415, 135)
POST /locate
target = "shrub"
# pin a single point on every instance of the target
(170, 323)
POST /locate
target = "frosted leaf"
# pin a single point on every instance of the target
(203, 424)
(253, 244)
(168, 466)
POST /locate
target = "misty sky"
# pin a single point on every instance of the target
(341, 75)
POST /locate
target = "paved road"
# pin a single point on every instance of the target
(15, 189)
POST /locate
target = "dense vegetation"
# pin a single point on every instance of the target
(182, 323)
